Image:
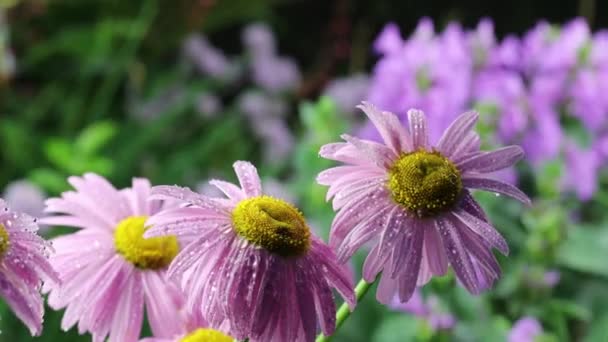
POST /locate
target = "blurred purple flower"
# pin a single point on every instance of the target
(539, 278)
(277, 139)
(153, 108)
(276, 74)
(26, 197)
(257, 105)
(389, 40)
(429, 71)
(582, 166)
(347, 92)
(551, 278)
(526, 329)
(589, 101)
(259, 39)
(208, 105)
(264, 113)
(208, 59)
(528, 88)
(8, 63)
(430, 311)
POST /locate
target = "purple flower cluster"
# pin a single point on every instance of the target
(428, 310)
(535, 89)
(8, 65)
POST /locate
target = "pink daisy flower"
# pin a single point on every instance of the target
(413, 201)
(254, 264)
(109, 271)
(23, 267)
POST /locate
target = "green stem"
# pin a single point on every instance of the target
(344, 311)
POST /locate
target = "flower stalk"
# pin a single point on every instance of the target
(344, 311)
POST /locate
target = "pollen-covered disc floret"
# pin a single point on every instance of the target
(153, 253)
(425, 183)
(4, 240)
(272, 224)
(206, 335)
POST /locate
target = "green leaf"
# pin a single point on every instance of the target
(50, 180)
(586, 250)
(94, 137)
(59, 152)
(398, 328)
(598, 330)
(570, 308)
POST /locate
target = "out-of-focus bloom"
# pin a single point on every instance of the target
(208, 105)
(8, 63)
(430, 311)
(347, 92)
(278, 189)
(582, 168)
(258, 105)
(25, 196)
(529, 88)
(153, 108)
(278, 141)
(276, 74)
(413, 197)
(109, 271)
(526, 329)
(23, 267)
(254, 262)
(270, 71)
(428, 71)
(208, 59)
(264, 113)
(259, 40)
(541, 279)
(551, 278)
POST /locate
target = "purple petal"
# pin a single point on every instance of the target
(418, 129)
(485, 162)
(163, 301)
(457, 255)
(128, 318)
(471, 143)
(249, 178)
(186, 195)
(386, 289)
(488, 184)
(343, 152)
(390, 128)
(378, 154)
(24, 301)
(483, 229)
(232, 191)
(374, 263)
(434, 251)
(454, 135)
(470, 205)
(409, 264)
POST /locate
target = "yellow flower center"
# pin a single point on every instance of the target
(425, 183)
(206, 335)
(4, 241)
(153, 253)
(272, 224)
